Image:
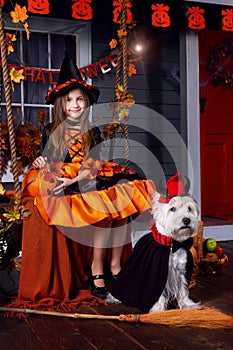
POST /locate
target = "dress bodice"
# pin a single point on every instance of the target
(75, 145)
(74, 138)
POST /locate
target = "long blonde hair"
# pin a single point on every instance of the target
(57, 132)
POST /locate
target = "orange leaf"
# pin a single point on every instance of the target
(19, 14)
(132, 69)
(121, 33)
(16, 75)
(113, 43)
(9, 39)
(26, 30)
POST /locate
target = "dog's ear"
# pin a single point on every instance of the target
(157, 204)
(195, 202)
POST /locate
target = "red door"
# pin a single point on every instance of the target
(216, 123)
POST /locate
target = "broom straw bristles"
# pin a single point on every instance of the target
(204, 317)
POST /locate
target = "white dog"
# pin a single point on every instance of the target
(179, 220)
(159, 270)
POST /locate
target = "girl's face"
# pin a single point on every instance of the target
(75, 104)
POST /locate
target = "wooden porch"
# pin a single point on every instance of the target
(50, 332)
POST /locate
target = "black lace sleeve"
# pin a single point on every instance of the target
(96, 136)
(45, 138)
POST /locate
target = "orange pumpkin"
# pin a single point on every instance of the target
(211, 256)
(30, 184)
(35, 182)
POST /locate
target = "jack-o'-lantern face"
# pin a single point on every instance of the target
(117, 12)
(227, 24)
(160, 16)
(196, 21)
(161, 19)
(38, 182)
(82, 10)
(196, 18)
(227, 20)
(38, 6)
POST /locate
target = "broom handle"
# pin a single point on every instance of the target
(61, 314)
(205, 317)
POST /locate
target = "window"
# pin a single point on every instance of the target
(44, 51)
(41, 56)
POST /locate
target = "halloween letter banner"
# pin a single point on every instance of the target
(36, 74)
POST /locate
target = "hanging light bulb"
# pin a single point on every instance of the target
(138, 40)
(138, 47)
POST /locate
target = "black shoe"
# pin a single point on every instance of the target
(114, 277)
(99, 292)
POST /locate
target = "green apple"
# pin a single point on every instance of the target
(210, 244)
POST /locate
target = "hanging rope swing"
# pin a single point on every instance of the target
(7, 89)
(122, 68)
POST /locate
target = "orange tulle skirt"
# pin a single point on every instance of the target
(82, 209)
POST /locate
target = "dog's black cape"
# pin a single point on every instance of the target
(142, 280)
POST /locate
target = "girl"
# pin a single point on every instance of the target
(73, 188)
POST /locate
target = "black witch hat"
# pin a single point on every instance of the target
(70, 78)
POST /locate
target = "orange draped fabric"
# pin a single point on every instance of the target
(55, 268)
(54, 274)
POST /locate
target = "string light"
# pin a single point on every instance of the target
(138, 47)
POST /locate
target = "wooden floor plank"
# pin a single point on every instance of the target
(48, 333)
(58, 333)
(106, 334)
(163, 337)
(15, 334)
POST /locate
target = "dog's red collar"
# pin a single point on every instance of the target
(168, 241)
(158, 237)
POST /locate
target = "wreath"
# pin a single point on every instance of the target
(220, 66)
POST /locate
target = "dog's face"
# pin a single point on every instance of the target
(178, 218)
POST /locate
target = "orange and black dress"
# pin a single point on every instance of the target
(55, 266)
(111, 191)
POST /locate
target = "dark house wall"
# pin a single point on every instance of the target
(154, 86)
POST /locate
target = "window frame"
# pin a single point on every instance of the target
(57, 26)
(214, 2)
(82, 31)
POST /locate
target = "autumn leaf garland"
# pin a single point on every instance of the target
(18, 15)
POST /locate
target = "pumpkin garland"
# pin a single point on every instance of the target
(162, 14)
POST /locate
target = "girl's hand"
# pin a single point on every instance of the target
(39, 162)
(65, 181)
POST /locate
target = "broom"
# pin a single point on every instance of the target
(204, 317)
